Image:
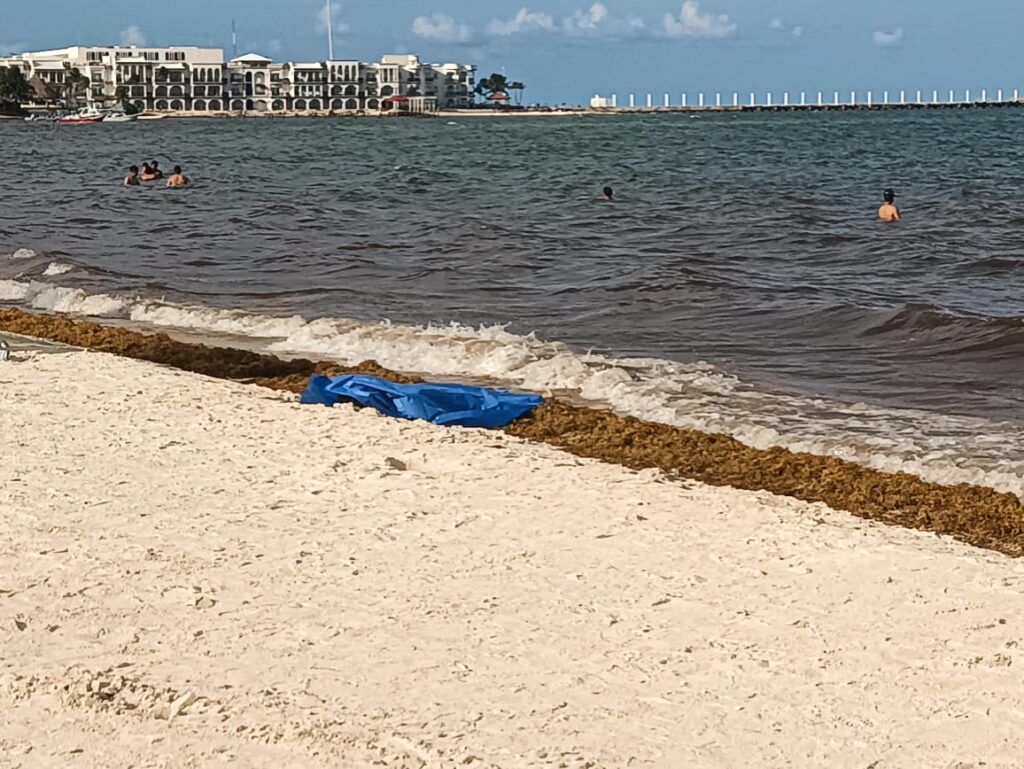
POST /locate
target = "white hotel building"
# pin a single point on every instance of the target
(199, 80)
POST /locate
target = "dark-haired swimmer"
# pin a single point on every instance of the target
(132, 179)
(889, 212)
(177, 178)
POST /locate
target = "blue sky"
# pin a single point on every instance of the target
(567, 50)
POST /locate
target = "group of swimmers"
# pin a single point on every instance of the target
(151, 173)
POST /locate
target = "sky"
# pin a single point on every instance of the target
(565, 51)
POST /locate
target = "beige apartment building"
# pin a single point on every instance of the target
(200, 80)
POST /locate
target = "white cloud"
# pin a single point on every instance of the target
(884, 38)
(132, 36)
(587, 21)
(593, 22)
(322, 17)
(692, 23)
(598, 22)
(443, 28)
(525, 20)
(779, 26)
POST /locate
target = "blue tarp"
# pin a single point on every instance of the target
(442, 404)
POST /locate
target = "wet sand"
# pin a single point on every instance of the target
(198, 572)
(973, 514)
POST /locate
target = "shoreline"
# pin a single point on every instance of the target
(198, 572)
(555, 112)
(977, 515)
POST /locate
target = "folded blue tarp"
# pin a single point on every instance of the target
(442, 404)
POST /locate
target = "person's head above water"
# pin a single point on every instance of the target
(177, 169)
(608, 193)
(155, 164)
(133, 169)
(145, 166)
(889, 196)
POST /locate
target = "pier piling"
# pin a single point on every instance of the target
(819, 101)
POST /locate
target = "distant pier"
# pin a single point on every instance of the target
(821, 101)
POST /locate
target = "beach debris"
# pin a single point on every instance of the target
(205, 602)
(179, 705)
(440, 404)
(5, 350)
(396, 464)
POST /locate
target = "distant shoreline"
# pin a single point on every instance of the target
(576, 112)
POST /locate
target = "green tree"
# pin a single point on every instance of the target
(14, 89)
(121, 97)
(76, 85)
(491, 86)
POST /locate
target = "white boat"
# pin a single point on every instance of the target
(120, 117)
(84, 115)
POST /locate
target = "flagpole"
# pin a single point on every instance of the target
(330, 32)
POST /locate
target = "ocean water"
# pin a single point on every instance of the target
(739, 283)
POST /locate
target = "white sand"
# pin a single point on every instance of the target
(194, 573)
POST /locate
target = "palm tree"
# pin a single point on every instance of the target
(492, 85)
(76, 85)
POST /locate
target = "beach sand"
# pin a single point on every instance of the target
(199, 573)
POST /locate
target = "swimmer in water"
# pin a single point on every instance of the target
(609, 194)
(147, 173)
(132, 179)
(177, 178)
(155, 168)
(888, 212)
